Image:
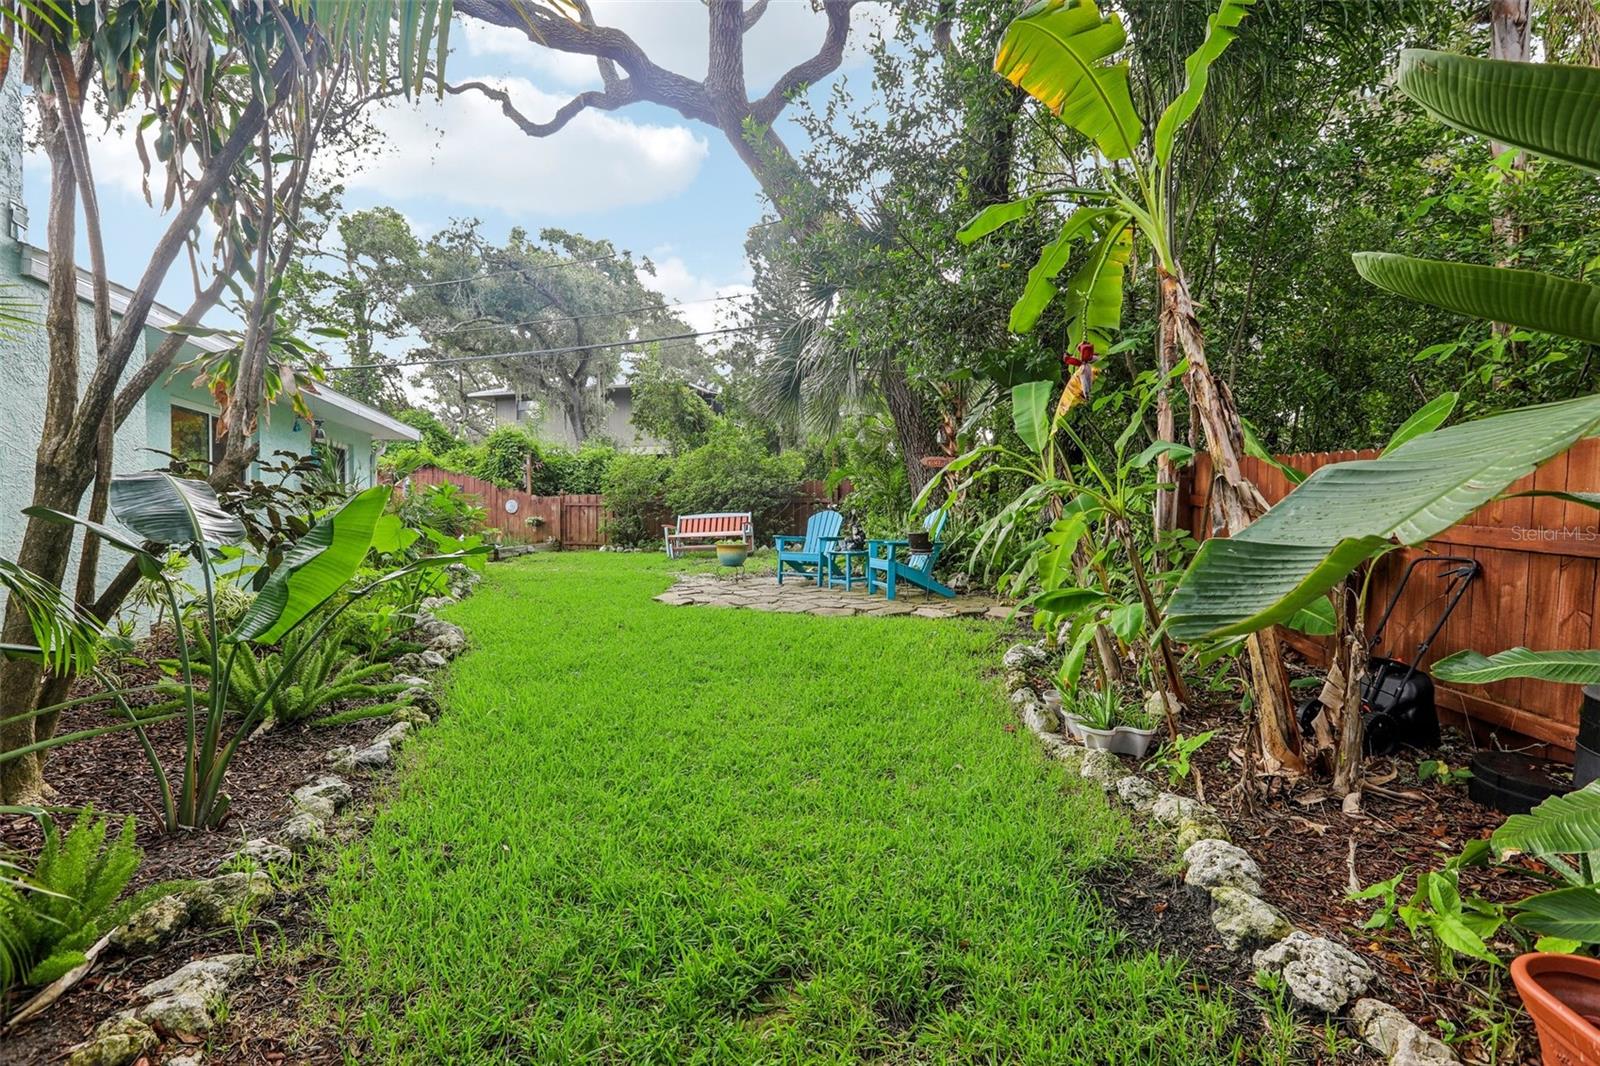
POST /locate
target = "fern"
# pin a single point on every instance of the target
(50, 917)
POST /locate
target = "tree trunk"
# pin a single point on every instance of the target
(1349, 663)
(1509, 40)
(1240, 503)
(1166, 501)
(911, 428)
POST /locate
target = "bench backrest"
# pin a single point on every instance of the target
(730, 523)
(821, 525)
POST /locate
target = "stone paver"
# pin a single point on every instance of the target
(798, 596)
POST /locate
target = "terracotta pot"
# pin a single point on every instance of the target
(1562, 992)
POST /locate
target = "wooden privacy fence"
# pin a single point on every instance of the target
(1539, 586)
(578, 521)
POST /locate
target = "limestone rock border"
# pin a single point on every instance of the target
(1321, 975)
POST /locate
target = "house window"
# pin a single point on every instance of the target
(194, 436)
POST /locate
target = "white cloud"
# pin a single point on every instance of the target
(674, 279)
(486, 41)
(463, 150)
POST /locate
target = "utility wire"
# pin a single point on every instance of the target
(559, 317)
(497, 273)
(454, 360)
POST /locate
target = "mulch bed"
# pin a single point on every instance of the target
(110, 772)
(1301, 838)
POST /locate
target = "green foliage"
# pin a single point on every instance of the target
(560, 470)
(733, 471)
(1474, 668)
(667, 407)
(50, 915)
(503, 457)
(444, 507)
(1174, 756)
(635, 490)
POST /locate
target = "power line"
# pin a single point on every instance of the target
(511, 270)
(478, 328)
(453, 360)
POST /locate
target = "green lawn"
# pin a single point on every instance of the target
(665, 834)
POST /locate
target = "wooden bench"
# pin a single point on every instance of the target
(697, 532)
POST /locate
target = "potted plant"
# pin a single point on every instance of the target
(1136, 727)
(732, 552)
(1097, 714)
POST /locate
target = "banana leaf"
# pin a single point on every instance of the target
(1222, 26)
(1562, 825)
(1564, 667)
(314, 569)
(1030, 412)
(1569, 913)
(1054, 52)
(1544, 108)
(1349, 512)
(1524, 298)
(166, 509)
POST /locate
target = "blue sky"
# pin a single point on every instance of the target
(644, 177)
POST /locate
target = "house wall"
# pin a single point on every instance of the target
(549, 422)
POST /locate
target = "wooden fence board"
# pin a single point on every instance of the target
(1539, 585)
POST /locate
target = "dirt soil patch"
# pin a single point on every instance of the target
(110, 772)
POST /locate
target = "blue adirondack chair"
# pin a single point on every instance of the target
(807, 555)
(890, 562)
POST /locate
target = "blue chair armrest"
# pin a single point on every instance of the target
(779, 541)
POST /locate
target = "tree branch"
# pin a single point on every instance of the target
(825, 62)
(609, 100)
(753, 13)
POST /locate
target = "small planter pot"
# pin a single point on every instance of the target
(1098, 739)
(1562, 992)
(1126, 740)
(732, 555)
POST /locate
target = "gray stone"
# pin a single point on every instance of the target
(188, 1010)
(959, 582)
(215, 973)
(1072, 756)
(1394, 1036)
(193, 1057)
(374, 756)
(411, 714)
(1242, 919)
(430, 659)
(152, 925)
(1319, 974)
(301, 831)
(1171, 808)
(1103, 767)
(433, 603)
(228, 899)
(1193, 830)
(395, 735)
(1136, 792)
(411, 681)
(118, 1041)
(446, 638)
(1024, 656)
(323, 798)
(1214, 863)
(260, 853)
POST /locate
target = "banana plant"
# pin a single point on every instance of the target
(1065, 53)
(1542, 108)
(1563, 833)
(1563, 667)
(162, 513)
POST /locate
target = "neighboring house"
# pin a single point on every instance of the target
(173, 416)
(549, 422)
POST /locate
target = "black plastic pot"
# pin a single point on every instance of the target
(1514, 783)
(919, 541)
(1586, 756)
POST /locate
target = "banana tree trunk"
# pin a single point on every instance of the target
(1240, 503)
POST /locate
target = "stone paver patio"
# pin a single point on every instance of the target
(761, 592)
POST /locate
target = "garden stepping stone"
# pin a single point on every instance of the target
(1214, 863)
(1320, 974)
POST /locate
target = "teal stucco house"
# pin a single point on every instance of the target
(173, 416)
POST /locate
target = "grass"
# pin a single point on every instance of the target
(652, 834)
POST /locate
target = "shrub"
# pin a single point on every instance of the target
(503, 457)
(563, 470)
(49, 917)
(634, 487)
(732, 471)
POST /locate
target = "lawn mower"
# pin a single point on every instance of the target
(1397, 705)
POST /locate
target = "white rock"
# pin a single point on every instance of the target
(1171, 808)
(1102, 766)
(1023, 697)
(1216, 863)
(1136, 792)
(118, 1041)
(1319, 974)
(228, 899)
(1390, 1033)
(430, 659)
(215, 973)
(1023, 656)
(394, 736)
(1242, 919)
(323, 798)
(301, 831)
(374, 756)
(152, 925)
(187, 1000)
(261, 852)
(188, 1058)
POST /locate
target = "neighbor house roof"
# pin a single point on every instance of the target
(325, 400)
